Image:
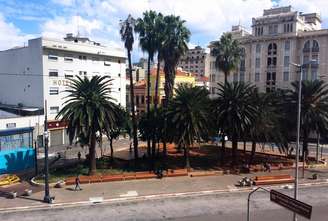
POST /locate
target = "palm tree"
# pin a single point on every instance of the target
(89, 110)
(235, 111)
(126, 33)
(314, 109)
(189, 113)
(174, 46)
(146, 28)
(267, 126)
(227, 53)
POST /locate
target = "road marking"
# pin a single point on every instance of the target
(130, 194)
(96, 199)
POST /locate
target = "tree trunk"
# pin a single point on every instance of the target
(134, 121)
(318, 144)
(223, 150)
(111, 149)
(92, 155)
(225, 78)
(234, 151)
(305, 145)
(148, 103)
(244, 147)
(187, 157)
(156, 98)
(252, 153)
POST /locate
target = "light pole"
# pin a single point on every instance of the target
(300, 66)
(47, 198)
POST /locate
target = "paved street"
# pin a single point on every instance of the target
(224, 206)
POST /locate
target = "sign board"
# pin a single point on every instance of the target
(292, 204)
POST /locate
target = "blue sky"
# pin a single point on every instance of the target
(21, 20)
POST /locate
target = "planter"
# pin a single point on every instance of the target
(27, 192)
(13, 195)
(60, 184)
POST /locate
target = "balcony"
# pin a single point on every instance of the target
(315, 49)
(306, 50)
(271, 68)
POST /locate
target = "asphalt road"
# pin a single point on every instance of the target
(224, 206)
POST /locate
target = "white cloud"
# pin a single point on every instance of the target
(11, 36)
(60, 26)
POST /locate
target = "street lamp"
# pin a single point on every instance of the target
(47, 198)
(300, 66)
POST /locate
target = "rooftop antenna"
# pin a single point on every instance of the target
(78, 26)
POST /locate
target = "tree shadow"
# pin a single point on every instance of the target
(18, 161)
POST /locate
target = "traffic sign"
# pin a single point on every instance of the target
(292, 204)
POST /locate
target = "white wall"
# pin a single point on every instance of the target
(21, 76)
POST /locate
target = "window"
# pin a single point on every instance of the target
(54, 110)
(315, 46)
(286, 61)
(287, 45)
(68, 58)
(54, 91)
(137, 100)
(257, 63)
(68, 74)
(315, 57)
(270, 29)
(257, 76)
(258, 48)
(275, 29)
(306, 47)
(286, 76)
(11, 125)
(82, 57)
(83, 73)
(52, 57)
(53, 73)
(95, 60)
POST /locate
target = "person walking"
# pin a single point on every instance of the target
(77, 183)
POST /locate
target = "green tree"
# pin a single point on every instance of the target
(235, 111)
(189, 115)
(146, 28)
(89, 109)
(314, 109)
(227, 53)
(126, 32)
(174, 46)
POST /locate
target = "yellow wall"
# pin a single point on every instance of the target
(179, 79)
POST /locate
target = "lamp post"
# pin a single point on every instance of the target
(47, 198)
(300, 66)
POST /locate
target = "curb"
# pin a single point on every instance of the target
(151, 197)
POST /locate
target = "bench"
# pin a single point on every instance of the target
(273, 179)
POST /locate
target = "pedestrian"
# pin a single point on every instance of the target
(79, 156)
(267, 167)
(77, 183)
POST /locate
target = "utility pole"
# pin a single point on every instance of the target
(300, 66)
(47, 198)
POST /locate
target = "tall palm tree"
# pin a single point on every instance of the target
(126, 32)
(146, 29)
(314, 109)
(189, 113)
(174, 46)
(227, 54)
(235, 111)
(89, 110)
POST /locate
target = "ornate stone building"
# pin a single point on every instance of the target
(280, 37)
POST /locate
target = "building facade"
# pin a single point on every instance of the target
(196, 61)
(280, 37)
(42, 71)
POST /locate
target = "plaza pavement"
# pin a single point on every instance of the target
(125, 190)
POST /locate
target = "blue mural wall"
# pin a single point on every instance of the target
(16, 152)
(16, 160)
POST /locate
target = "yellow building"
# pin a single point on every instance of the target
(180, 78)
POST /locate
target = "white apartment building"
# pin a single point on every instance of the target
(41, 71)
(278, 37)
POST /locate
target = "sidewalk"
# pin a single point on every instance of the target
(126, 189)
